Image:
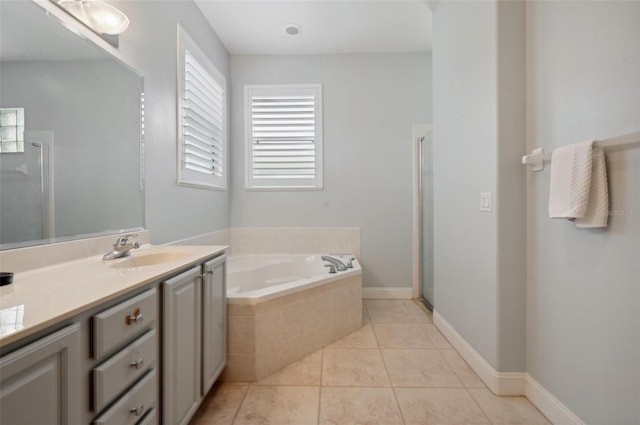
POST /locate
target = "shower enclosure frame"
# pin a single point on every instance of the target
(44, 140)
(420, 133)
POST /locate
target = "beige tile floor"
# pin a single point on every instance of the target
(397, 369)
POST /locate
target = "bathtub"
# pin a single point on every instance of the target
(252, 279)
(283, 307)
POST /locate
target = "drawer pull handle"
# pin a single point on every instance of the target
(138, 410)
(135, 317)
(137, 364)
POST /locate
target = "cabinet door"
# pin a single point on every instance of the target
(214, 321)
(181, 343)
(40, 383)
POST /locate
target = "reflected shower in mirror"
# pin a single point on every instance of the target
(70, 147)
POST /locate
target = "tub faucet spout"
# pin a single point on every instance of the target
(339, 265)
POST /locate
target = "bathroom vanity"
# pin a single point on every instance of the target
(133, 340)
(93, 341)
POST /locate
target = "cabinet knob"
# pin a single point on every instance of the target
(204, 275)
(135, 317)
(137, 364)
(138, 410)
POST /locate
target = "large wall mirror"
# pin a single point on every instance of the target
(71, 142)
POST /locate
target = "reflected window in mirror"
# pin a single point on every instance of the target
(12, 130)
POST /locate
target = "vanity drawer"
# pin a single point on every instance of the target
(133, 404)
(120, 323)
(122, 370)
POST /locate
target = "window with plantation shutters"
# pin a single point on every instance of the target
(202, 136)
(284, 137)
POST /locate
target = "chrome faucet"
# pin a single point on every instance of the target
(122, 247)
(332, 268)
(339, 265)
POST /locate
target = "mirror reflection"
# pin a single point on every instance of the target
(70, 146)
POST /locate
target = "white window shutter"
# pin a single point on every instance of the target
(202, 120)
(285, 137)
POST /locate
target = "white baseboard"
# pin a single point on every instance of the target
(499, 383)
(508, 384)
(388, 293)
(547, 403)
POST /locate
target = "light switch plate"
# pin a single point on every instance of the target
(485, 202)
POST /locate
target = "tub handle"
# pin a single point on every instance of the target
(350, 263)
(332, 268)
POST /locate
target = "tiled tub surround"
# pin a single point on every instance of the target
(295, 240)
(267, 333)
(218, 237)
(286, 240)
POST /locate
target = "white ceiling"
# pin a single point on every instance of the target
(328, 26)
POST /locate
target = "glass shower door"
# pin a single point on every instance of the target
(426, 225)
(21, 195)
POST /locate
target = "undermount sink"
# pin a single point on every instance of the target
(152, 259)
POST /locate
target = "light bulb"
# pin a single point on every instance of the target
(99, 16)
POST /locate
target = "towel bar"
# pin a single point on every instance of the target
(538, 156)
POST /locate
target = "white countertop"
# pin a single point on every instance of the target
(41, 297)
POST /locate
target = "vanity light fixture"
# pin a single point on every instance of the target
(99, 16)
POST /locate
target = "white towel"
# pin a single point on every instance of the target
(597, 213)
(570, 180)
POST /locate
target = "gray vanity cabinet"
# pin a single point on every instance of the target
(194, 337)
(39, 383)
(181, 329)
(214, 321)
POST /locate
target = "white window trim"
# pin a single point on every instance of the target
(293, 184)
(186, 43)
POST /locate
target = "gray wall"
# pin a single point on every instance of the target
(511, 198)
(370, 104)
(582, 82)
(479, 137)
(583, 340)
(464, 151)
(149, 45)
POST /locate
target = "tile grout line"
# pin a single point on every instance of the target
(440, 350)
(486, 415)
(386, 369)
(320, 385)
(452, 368)
(244, 397)
(464, 386)
(395, 396)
